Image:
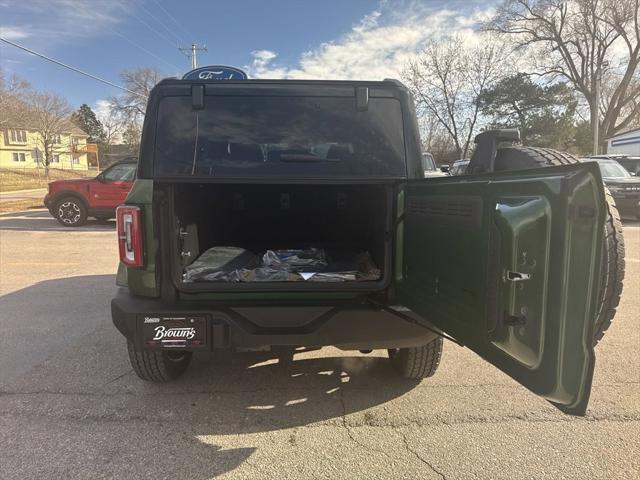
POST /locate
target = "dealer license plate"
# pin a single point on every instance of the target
(174, 331)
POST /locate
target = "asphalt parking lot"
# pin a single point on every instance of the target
(71, 407)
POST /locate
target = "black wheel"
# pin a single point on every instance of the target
(417, 362)
(70, 212)
(158, 365)
(519, 158)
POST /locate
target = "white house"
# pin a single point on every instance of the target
(626, 143)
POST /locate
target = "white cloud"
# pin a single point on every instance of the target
(262, 65)
(60, 19)
(102, 109)
(111, 122)
(12, 33)
(262, 57)
(377, 47)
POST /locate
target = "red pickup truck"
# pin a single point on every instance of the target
(72, 201)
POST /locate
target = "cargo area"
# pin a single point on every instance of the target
(296, 236)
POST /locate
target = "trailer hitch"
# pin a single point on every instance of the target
(484, 156)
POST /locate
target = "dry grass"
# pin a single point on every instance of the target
(11, 180)
(8, 206)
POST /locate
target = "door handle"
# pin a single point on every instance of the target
(514, 276)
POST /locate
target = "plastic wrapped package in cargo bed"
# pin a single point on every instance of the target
(324, 236)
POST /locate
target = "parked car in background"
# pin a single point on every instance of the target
(72, 201)
(459, 167)
(624, 187)
(430, 168)
(631, 164)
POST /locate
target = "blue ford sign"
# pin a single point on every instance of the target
(215, 72)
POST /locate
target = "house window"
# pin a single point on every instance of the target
(55, 159)
(18, 157)
(18, 136)
(76, 160)
(74, 140)
(57, 140)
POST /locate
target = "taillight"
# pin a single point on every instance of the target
(129, 228)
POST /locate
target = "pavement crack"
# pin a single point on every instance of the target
(118, 377)
(405, 440)
(349, 431)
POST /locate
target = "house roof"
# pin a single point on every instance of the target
(18, 117)
(70, 128)
(75, 130)
(637, 129)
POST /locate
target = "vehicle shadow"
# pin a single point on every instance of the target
(205, 422)
(41, 220)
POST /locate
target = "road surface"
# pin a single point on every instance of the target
(70, 406)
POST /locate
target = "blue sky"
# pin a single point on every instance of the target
(270, 39)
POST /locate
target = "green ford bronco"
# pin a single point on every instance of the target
(275, 214)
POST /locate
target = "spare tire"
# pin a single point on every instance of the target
(520, 158)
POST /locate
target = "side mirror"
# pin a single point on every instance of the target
(100, 178)
(445, 168)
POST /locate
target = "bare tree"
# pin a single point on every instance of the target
(131, 136)
(113, 124)
(608, 90)
(12, 106)
(430, 128)
(49, 117)
(580, 40)
(447, 78)
(139, 82)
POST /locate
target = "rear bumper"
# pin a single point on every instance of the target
(350, 328)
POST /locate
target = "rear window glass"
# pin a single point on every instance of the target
(245, 136)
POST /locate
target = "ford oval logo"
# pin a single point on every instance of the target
(215, 72)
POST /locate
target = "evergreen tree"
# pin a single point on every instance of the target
(86, 119)
(544, 114)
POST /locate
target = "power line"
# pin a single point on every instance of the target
(77, 70)
(145, 50)
(178, 24)
(157, 32)
(161, 23)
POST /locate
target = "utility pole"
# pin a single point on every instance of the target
(191, 52)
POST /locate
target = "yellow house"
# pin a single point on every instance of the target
(21, 148)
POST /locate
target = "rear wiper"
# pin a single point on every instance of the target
(305, 157)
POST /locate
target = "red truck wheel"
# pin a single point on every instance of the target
(70, 212)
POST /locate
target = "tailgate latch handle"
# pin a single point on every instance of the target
(513, 276)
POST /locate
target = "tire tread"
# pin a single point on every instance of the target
(418, 362)
(152, 365)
